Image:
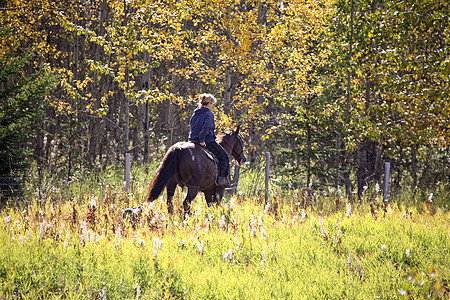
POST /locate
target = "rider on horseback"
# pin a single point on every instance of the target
(202, 132)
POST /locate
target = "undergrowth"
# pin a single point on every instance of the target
(71, 242)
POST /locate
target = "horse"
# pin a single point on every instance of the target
(188, 164)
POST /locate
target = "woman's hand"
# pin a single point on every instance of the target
(203, 144)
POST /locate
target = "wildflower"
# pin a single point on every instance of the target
(403, 292)
(83, 226)
(349, 210)
(266, 209)
(231, 204)
(103, 293)
(303, 216)
(263, 255)
(93, 202)
(182, 244)
(141, 243)
(238, 245)
(263, 233)
(119, 232)
(383, 248)
(88, 235)
(42, 229)
(260, 218)
(408, 253)
(83, 240)
(222, 223)
(227, 255)
(430, 198)
(155, 252)
(157, 243)
(322, 227)
(252, 226)
(198, 211)
(7, 219)
(138, 291)
(206, 224)
(98, 237)
(349, 259)
(200, 247)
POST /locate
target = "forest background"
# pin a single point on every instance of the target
(332, 88)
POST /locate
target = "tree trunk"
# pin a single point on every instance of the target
(227, 92)
(145, 125)
(347, 106)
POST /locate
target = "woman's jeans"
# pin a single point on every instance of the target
(222, 156)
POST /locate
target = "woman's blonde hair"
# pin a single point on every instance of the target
(205, 99)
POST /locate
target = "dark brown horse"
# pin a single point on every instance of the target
(188, 164)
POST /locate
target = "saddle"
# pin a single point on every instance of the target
(210, 156)
(208, 153)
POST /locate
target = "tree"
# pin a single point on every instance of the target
(396, 73)
(22, 89)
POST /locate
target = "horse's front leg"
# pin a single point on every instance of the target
(192, 192)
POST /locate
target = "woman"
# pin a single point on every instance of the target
(202, 132)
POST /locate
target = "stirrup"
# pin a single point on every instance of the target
(223, 182)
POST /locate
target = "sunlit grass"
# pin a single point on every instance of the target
(240, 249)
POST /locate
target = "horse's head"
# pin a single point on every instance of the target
(236, 142)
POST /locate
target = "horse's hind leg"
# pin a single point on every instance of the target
(171, 186)
(192, 192)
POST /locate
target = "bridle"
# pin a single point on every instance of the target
(241, 156)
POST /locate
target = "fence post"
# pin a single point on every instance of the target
(267, 176)
(387, 169)
(235, 180)
(127, 171)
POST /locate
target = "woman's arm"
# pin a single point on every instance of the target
(205, 129)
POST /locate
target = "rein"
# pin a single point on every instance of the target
(236, 164)
(233, 160)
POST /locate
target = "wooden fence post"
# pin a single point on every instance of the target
(235, 180)
(127, 171)
(387, 169)
(267, 176)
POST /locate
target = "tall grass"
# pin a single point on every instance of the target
(71, 242)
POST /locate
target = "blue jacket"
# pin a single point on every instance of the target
(202, 126)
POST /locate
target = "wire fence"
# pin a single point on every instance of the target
(10, 187)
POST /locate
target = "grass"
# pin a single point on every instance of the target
(74, 244)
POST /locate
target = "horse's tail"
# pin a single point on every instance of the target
(166, 170)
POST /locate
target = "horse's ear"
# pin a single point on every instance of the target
(237, 129)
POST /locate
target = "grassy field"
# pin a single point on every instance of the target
(76, 245)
